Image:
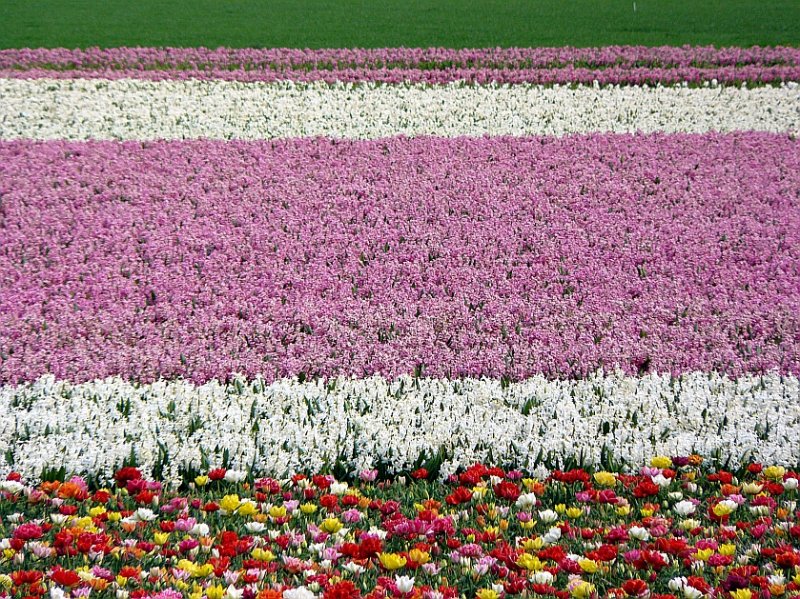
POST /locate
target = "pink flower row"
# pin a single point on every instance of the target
(491, 256)
(609, 65)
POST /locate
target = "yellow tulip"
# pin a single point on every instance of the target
(203, 571)
(331, 525)
(582, 590)
(308, 508)
(533, 544)
(419, 556)
(588, 565)
(661, 461)
(774, 472)
(487, 594)
(262, 555)
(392, 561)
(530, 562)
(229, 503)
(605, 479)
(215, 592)
(277, 511)
(741, 594)
(721, 510)
(703, 554)
(201, 481)
(186, 566)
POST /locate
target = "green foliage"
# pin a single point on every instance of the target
(411, 23)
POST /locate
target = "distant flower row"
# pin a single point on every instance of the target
(173, 429)
(452, 257)
(609, 65)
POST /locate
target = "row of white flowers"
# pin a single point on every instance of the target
(288, 426)
(139, 110)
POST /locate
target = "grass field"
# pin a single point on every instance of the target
(410, 23)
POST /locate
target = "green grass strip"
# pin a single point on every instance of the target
(392, 23)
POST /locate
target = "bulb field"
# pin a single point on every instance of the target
(408, 323)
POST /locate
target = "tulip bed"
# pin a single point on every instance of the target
(672, 529)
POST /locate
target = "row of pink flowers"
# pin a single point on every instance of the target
(491, 256)
(609, 65)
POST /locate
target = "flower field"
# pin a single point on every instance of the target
(266, 314)
(671, 529)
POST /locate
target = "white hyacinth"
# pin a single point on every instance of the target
(287, 426)
(79, 109)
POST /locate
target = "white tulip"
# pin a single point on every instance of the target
(639, 533)
(354, 568)
(200, 530)
(526, 501)
(677, 584)
(684, 508)
(144, 514)
(233, 593)
(541, 577)
(552, 535)
(691, 593)
(338, 488)
(405, 584)
(235, 476)
(299, 593)
(548, 516)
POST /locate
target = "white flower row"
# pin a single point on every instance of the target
(289, 426)
(140, 110)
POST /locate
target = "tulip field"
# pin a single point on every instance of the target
(398, 322)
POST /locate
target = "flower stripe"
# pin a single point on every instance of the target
(465, 257)
(611, 65)
(135, 109)
(357, 424)
(575, 283)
